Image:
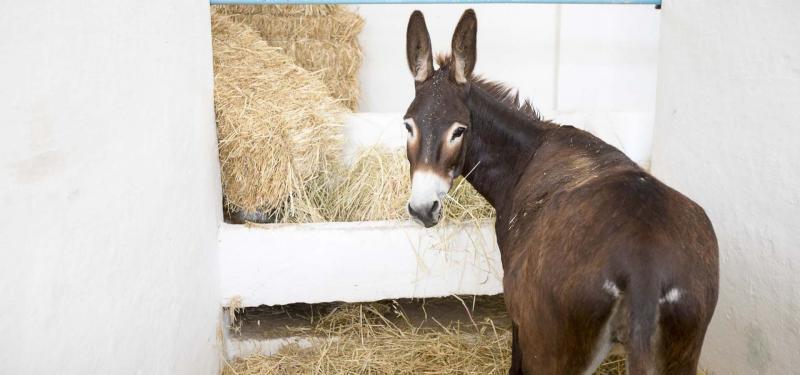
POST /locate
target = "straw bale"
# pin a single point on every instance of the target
(339, 26)
(277, 125)
(277, 10)
(338, 63)
(325, 41)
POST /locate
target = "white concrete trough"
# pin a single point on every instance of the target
(359, 261)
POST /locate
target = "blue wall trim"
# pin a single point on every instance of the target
(253, 2)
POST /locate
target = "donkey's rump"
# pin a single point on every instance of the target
(617, 258)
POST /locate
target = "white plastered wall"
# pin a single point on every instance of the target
(591, 66)
(109, 189)
(728, 136)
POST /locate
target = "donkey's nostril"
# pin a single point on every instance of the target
(411, 211)
(434, 206)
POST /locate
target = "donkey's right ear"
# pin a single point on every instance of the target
(418, 48)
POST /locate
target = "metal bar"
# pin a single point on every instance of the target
(657, 3)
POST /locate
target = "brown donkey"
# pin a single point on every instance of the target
(596, 252)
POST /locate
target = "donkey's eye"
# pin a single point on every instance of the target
(458, 132)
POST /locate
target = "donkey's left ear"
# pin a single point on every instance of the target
(418, 48)
(464, 44)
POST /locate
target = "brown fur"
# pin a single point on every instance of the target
(574, 213)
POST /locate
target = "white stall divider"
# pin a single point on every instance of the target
(277, 264)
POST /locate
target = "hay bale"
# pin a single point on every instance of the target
(276, 10)
(277, 125)
(317, 37)
(341, 26)
(338, 63)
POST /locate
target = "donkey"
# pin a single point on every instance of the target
(597, 254)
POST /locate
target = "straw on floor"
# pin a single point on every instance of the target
(370, 339)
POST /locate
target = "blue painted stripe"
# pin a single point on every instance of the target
(254, 2)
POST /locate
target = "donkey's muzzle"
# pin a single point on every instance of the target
(427, 214)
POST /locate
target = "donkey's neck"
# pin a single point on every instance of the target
(502, 141)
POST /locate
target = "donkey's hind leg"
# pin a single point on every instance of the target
(558, 347)
(516, 353)
(679, 358)
(680, 340)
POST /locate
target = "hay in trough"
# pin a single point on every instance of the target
(377, 186)
(317, 37)
(277, 125)
(377, 338)
(374, 187)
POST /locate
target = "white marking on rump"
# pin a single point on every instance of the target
(672, 296)
(427, 187)
(611, 288)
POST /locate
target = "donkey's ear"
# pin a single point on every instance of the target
(464, 46)
(418, 48)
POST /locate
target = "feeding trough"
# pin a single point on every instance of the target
(357, 261)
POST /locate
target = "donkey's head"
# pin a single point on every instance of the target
(438, 119)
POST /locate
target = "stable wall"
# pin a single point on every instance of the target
(727, 134)
(109, 188)
(591, 66)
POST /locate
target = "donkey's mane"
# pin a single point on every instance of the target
(500, 91)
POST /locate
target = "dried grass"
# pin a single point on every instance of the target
(274, 139)
(370, 339)
(277, 10)
(336, 26)
(377, 186)
(337, 62)
(318, 38)
(360, 339)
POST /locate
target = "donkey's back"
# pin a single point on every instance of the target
(602, 254)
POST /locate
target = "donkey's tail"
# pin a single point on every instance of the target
(642, 296)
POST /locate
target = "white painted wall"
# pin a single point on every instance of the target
(109, 188)
(591, 66)
(727, 135)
